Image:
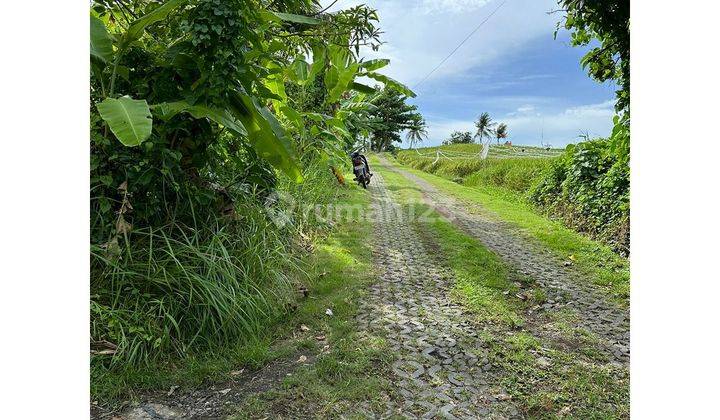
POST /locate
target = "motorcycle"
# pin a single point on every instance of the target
(361, 169)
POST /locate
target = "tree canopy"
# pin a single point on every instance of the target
(459, 137)
(608, 22)
(391, 115)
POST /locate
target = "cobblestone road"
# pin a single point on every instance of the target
(564, 286)
(441, 364)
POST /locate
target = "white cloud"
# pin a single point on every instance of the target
(528, 127)
(420, 33)
(454, 6)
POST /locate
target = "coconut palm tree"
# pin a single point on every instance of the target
(484, 125)
(501, 132)
(417, 131)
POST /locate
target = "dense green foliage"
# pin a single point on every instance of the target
(391, 115)
(203, 113)
(589, 188)
(608, 23)
(459, 137)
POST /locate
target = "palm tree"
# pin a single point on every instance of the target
(501, 132)
(484, 125)
(417, 131)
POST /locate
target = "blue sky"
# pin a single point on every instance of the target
(511, 67)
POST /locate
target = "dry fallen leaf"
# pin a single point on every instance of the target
(320, 337)
(225, 391)
(304, 327)
(122, 226)
(237, 372)
(503, 397)
(302, 359)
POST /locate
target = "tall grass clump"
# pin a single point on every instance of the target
(178, 288)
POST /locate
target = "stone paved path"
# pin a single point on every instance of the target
(441, 366)
(564, 286)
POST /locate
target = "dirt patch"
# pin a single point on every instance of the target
(211, 402)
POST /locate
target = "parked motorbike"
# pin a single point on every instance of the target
(361, 169)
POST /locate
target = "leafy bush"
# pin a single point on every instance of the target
(589, 189)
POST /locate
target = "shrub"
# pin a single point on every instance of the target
(589, 189)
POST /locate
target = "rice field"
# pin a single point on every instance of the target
(472, 151)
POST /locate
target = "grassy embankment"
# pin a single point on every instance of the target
(499, 186)
(578, 383)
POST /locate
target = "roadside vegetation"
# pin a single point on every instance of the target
(588, 186)
(212, 124)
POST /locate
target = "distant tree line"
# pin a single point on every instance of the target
(485, 127)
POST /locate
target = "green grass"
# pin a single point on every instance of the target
(467, 150)
(353, 369)
(596, 260)
(575, 383)
(566, 385)
(516, 173)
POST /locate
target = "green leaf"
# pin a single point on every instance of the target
(344, 78)
(372, 65)
(362, 88)
(136, 29)
(293, 116)
(100, 41)
(339, 56)
(331, 77)
(301, 70)
(275, 83)
(289, 17)
(392, 83)
(266, 134)
(166, 110)
(129, 119)
(318, 63)
(220, 116)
